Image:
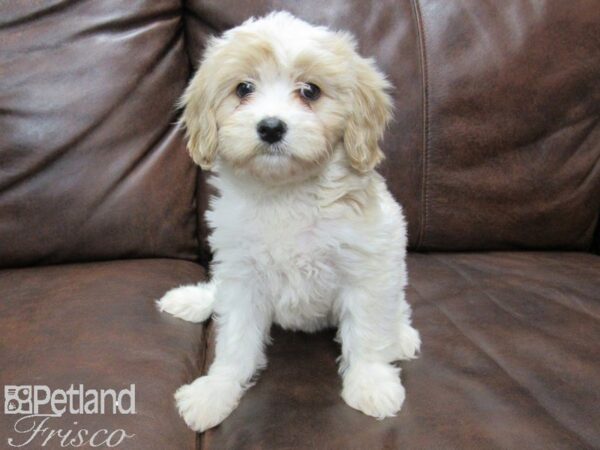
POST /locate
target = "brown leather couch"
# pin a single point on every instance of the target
(494, 153)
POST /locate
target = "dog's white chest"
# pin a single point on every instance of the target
(288, 256)
(296, 269)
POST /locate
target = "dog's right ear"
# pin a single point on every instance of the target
(199, 116)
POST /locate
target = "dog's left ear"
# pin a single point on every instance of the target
(371, 112)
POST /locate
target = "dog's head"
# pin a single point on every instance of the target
(274, 97)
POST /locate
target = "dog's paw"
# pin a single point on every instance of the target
(409, 342)
(207, 401)
(374, 388)
(193, 303)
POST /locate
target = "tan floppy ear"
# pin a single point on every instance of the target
(371, 111)
(199, 116)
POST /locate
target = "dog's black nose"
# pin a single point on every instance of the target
(271, 129)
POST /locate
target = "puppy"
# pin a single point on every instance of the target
(305, 232)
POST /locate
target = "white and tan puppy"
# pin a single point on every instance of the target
(305, 232)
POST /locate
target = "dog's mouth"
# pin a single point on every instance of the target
(277, 149)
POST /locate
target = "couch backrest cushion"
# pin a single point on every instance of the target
(496, 141)
(91, 165)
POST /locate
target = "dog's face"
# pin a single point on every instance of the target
(274, 97)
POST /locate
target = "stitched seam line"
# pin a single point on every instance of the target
(421, 37)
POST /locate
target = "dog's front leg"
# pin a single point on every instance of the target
(243, 324)
(368, 331)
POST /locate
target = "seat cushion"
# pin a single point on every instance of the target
(509, 360)
(96, 324)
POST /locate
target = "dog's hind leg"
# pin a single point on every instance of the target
(409, 340)
(193, 302)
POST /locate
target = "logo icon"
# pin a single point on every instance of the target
(18, 399)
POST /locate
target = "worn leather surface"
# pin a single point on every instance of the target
(91, 165)
(496, 141)
(509, 360)
(96, 324)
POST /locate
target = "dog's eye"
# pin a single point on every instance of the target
(310, 91)
(244, 89)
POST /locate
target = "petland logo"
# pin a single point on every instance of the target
(38, 405)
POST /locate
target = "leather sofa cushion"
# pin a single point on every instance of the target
(96, 324)
(91, 165)
(509, 360)
(496, 140)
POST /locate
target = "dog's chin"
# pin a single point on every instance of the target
(278, 164)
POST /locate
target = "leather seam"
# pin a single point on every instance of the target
(424, 65)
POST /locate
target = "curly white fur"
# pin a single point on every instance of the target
(306, 233)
